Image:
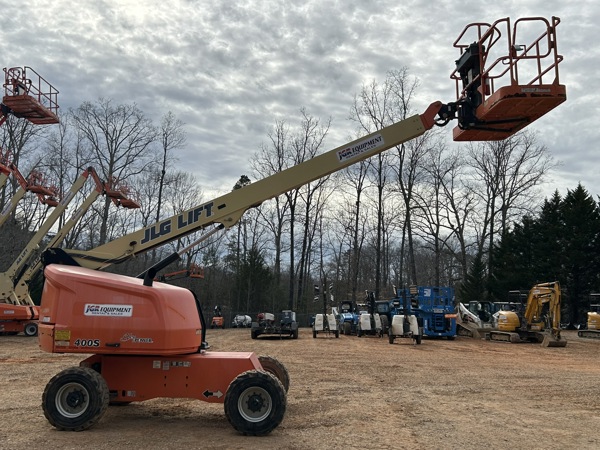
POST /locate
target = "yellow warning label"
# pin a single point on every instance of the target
(62, 335)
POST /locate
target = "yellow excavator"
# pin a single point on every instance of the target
(592, 329)
(539, 323)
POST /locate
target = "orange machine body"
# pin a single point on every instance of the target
(87, 311)
(203, 376)
(145, 340)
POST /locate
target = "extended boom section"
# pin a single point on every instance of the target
(229, 208)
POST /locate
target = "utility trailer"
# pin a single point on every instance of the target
(404, 322)
(267, 325)
(369, 321)
(327, 324)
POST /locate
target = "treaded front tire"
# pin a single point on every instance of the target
(255, 403)
(75, 399)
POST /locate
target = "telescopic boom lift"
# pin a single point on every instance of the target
(146, 338)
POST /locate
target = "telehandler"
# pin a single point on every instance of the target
(147, 338)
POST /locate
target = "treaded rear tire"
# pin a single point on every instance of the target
(75, 399)
(255, 403)
(31, 329)
(276, 368)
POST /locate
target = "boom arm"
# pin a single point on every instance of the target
(539, 295)
(229, 208)
(481, 115)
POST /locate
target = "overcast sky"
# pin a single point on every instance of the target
(231, 69)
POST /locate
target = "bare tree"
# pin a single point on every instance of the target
(372, 110)
(268, 161)
(288, 148)
(119, 140)
(352, 186)
(507, 173)
(172, 137)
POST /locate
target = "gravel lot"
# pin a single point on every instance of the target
(344, 393)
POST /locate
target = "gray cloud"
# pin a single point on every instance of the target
(229, 70)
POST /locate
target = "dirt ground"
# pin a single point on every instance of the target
(344, 393)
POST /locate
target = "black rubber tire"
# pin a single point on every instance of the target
(358, 332)
(390, 336)
(347, 328)
(418, 339)
(384, 324)
(274, 367)
(314, 333)
(295, 334)
(253, 334)
(31, 329)
(75, 399)
(255, 403)
(337, 333)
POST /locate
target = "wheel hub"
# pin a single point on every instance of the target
(255, 403)
(75, 399)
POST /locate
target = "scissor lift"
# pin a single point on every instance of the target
(27, 95)
(498, 97)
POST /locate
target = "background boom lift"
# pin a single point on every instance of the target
(35, 182)
(17, 309)
(26, 95)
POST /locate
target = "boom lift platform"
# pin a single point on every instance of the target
(35, 182)
(489, 108)
(27, 95)
(147, 338)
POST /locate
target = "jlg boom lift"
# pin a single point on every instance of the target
(147, 338)
(35, 182)
(26, 95)
(17, 310)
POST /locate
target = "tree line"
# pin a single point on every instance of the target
(425, 212)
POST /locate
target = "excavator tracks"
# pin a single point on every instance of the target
(589, 334)
(471, 330)
(503, 336)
